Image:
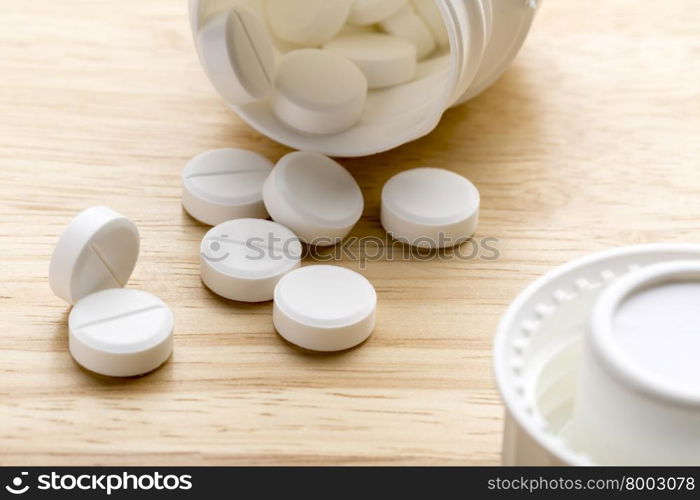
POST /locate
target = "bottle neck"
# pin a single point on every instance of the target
(466, 22)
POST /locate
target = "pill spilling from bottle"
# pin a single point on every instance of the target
(418, 58)
(113, 331)
(313, 201)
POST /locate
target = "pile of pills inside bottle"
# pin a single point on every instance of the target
(335, 52)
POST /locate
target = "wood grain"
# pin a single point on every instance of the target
(589, 141)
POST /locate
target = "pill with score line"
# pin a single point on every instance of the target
(243, 259)
(98, 250)
(113, 331)
(121, 332)
(238, 55)
(225, 184)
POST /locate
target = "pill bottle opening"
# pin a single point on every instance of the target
(392, 116)
(646, 331)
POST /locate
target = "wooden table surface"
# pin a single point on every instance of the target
(591, 140)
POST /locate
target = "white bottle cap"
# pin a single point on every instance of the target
(638, 399)
(97, 251)
(567, 405)
(648, 327)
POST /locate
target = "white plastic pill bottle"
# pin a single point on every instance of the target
(484, 38)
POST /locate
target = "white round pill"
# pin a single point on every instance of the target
(121, 332)
(308, 23)
(430, 208)
(319, 92)
(325, 308)
(244, 259)
(385, 60)
(98, 250)
(364, 12)
(313, 196)
(225, 184)
(238, 55)
(430, 12)
(409, 25)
